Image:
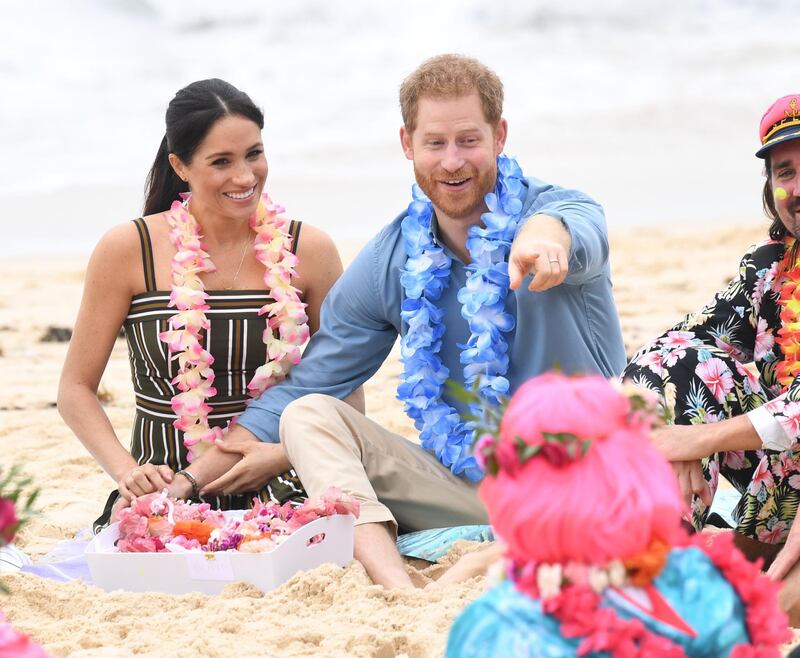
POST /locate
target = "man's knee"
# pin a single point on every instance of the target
(299, 412)
(299, 408)
(311, 416)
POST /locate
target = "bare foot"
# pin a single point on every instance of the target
(375, 548)
(469, 566)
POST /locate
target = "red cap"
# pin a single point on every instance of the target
(780, 123)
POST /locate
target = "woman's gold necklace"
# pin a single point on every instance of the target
(241, 261)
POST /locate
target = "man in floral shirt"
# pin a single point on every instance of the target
(722, 418)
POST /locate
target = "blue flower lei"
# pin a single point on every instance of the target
(485, 355)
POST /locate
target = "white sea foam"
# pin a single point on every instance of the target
(651, 106)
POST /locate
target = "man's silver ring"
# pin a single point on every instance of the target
(554, 260)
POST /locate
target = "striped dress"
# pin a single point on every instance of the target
(234, 338)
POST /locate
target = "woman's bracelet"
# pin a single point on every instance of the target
(192, 481)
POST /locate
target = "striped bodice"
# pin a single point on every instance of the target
(234, 338)
(235, 341)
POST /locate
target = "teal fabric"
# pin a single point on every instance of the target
(433, 544)
(504, 622)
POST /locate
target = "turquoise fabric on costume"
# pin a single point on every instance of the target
(504, 622)
(433, 544)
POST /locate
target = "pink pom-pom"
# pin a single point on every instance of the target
(633, 489)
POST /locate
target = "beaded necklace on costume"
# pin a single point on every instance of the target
(286, 323)
(573, 594)
(788, 336)
(485, 355)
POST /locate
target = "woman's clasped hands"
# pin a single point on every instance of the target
(144, 479)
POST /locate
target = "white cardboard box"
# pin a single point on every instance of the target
(209, 573)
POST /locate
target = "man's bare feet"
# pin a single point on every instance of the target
(376, 549)
(468, 566)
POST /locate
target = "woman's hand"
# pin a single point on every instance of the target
(121, 504)
(144, 479)
(259, 462)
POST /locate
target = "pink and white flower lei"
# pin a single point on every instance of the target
(287, 325)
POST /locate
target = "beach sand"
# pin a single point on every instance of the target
(327, 612)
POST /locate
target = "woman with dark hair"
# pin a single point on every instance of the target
(724, 416)
(216, 292)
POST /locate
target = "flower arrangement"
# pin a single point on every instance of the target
(16, 504)
(156, 523)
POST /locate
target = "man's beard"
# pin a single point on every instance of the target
(792, 222)
(457, 204)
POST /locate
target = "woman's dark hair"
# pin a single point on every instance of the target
(190, 115)
(777, 231)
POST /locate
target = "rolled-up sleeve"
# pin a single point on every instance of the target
(583, 217)
(785, 409)
(769, 430)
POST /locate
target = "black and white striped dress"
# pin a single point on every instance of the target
(235, 341)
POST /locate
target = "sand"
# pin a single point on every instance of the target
(658, 275)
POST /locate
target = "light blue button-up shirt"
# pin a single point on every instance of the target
(573, 326)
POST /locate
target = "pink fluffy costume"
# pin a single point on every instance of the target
(597, 563)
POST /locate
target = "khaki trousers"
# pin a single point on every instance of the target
(396, 481)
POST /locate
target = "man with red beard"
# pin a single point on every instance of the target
(489, 278)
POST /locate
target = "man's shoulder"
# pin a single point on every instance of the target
(765, 253)
(390, 234)
(541, 192)
(386, 246)
(374, 275)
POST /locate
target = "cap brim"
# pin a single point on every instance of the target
(783, 136)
